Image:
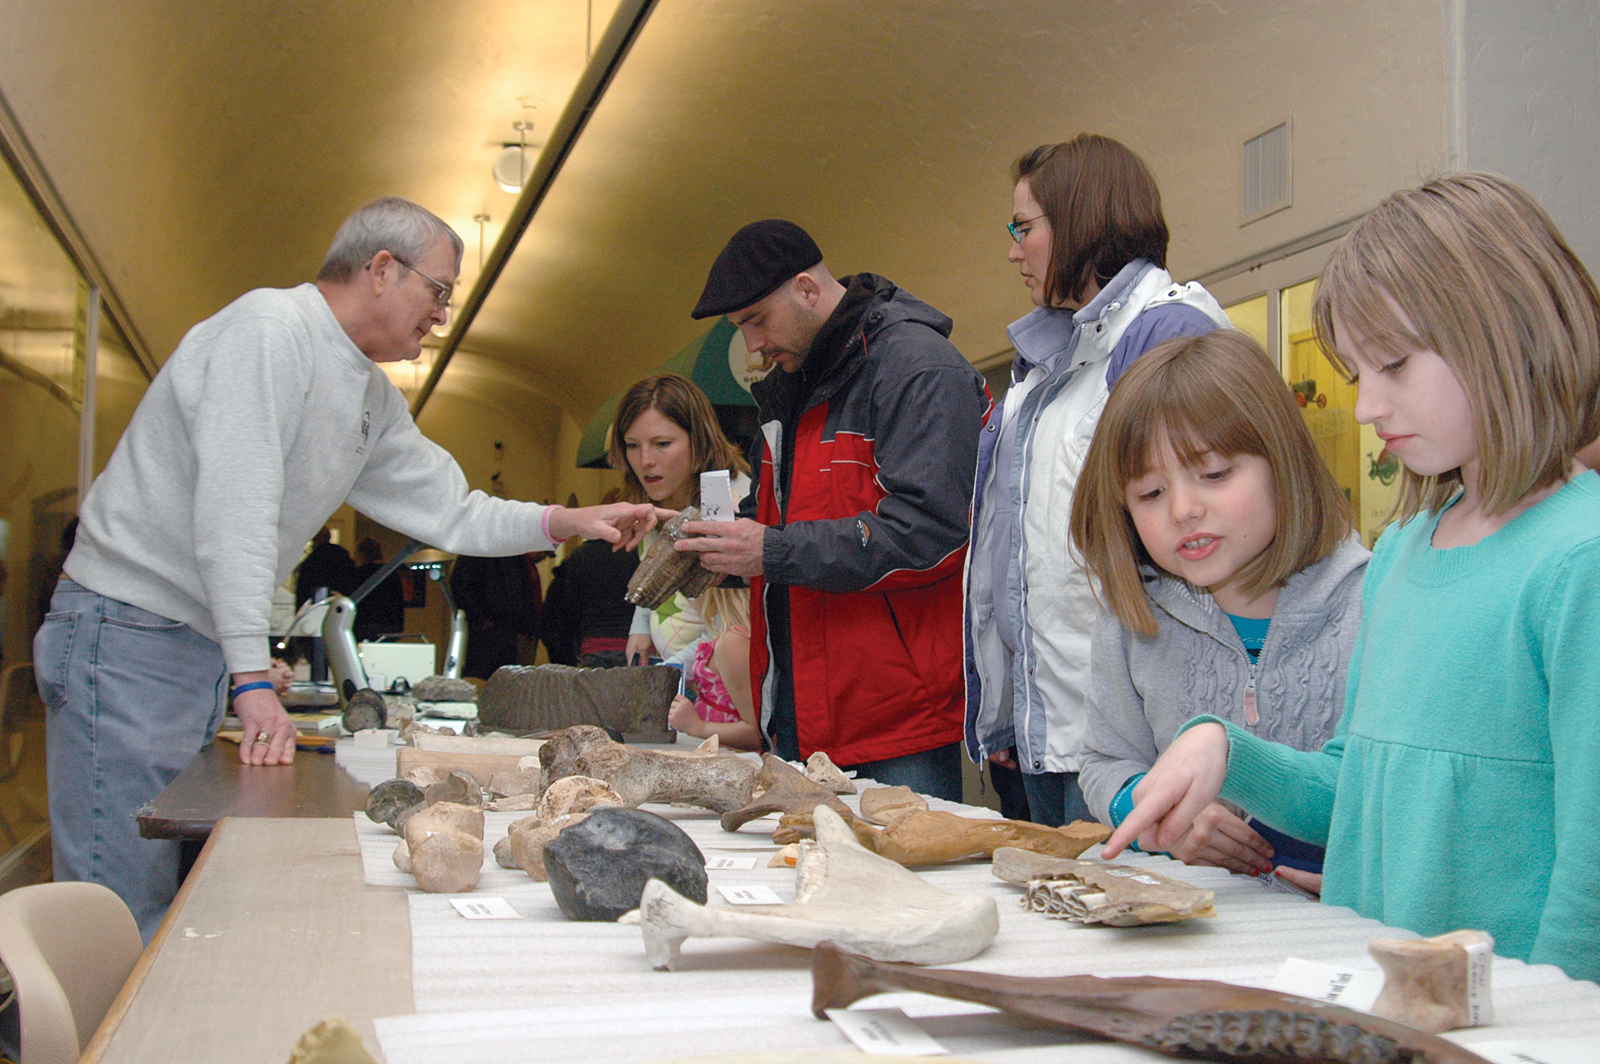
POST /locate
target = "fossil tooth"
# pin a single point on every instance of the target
(1178, 1017)
(1089, 892)
(664, 571)
(844, 893)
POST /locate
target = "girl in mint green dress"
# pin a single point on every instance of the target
(1459, 790)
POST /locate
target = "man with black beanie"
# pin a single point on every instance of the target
(855, 533)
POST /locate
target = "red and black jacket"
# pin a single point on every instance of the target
(864, 479)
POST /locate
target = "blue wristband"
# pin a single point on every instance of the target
(255, 685)
(1122, 805)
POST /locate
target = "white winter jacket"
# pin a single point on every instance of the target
(1028, 667)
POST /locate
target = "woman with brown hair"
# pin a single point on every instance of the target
(1091, 243)
(664, 435)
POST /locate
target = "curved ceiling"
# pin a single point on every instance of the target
(205, 147)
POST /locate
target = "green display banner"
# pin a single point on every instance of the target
(718, 363)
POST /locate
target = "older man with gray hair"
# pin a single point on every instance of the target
(267, 417)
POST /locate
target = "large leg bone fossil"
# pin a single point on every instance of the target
(1178, 1017)
(1089, 892)
(782, 789)
(1429, 983)
(720, 784)
(929, 837)
(664, 571)
(844, 894)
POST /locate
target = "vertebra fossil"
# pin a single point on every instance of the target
(664, 571)
(1178, 1017)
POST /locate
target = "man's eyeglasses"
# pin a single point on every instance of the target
(441, 291)
(1011, 227)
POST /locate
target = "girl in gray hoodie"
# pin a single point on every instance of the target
(1224, 558)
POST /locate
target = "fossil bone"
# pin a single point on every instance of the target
(883, 804)
(929, 837)
(821, 769)
(664, 571)
(780, 788)
(447, 862)
(1178, 1017)
(541, 698)
(720, 783)
(1429, 982)
(1089, 892)
(844, 893)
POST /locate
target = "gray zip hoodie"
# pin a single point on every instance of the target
(1144, 688)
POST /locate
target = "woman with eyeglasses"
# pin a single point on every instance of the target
(1090, 241)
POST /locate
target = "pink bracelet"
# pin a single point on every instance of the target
(544, 522)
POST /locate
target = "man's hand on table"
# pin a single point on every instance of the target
(261, 715)
(732, 547)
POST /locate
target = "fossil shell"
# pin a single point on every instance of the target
(664, 571)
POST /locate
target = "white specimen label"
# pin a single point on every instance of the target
(730, 864)
(885, 1032)
(485, 909)
(1327, 982)
(754, 894)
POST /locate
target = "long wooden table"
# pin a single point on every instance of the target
(217, 785)
(273, 932)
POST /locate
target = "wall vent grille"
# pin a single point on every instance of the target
(1266, 185)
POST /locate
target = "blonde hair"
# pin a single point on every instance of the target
(1472, 268)
(1220, 394)
(722, 608)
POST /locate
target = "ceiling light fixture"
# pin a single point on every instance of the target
(511, 166)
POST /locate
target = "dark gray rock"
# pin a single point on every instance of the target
(598, 868)
(444, 689)
(366, 709)
(632, 701)
(389, 799)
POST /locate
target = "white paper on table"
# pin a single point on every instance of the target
(885, 1032)
(730, 864)
(1585, 1050)
(754, 894)
(485, 909)
(1326, 982)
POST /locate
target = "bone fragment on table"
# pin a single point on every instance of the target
(1191, 1018)
(883, 804)
(820, 769)
(1091, 892)
(930, 837)
(665, 571)
(844, 893)
(459, 787)
(424, 776)
(387, 800)
(526, 840)
(719, 783)
(511, 784)
(1428, 982)
(447, 862)
(781, 788)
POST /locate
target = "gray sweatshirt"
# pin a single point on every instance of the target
(264, 420)
(1144, 688)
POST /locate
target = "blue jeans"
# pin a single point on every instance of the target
(131, 698)
(935, 772)
(1054, 798)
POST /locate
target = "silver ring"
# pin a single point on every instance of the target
(263, 737)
